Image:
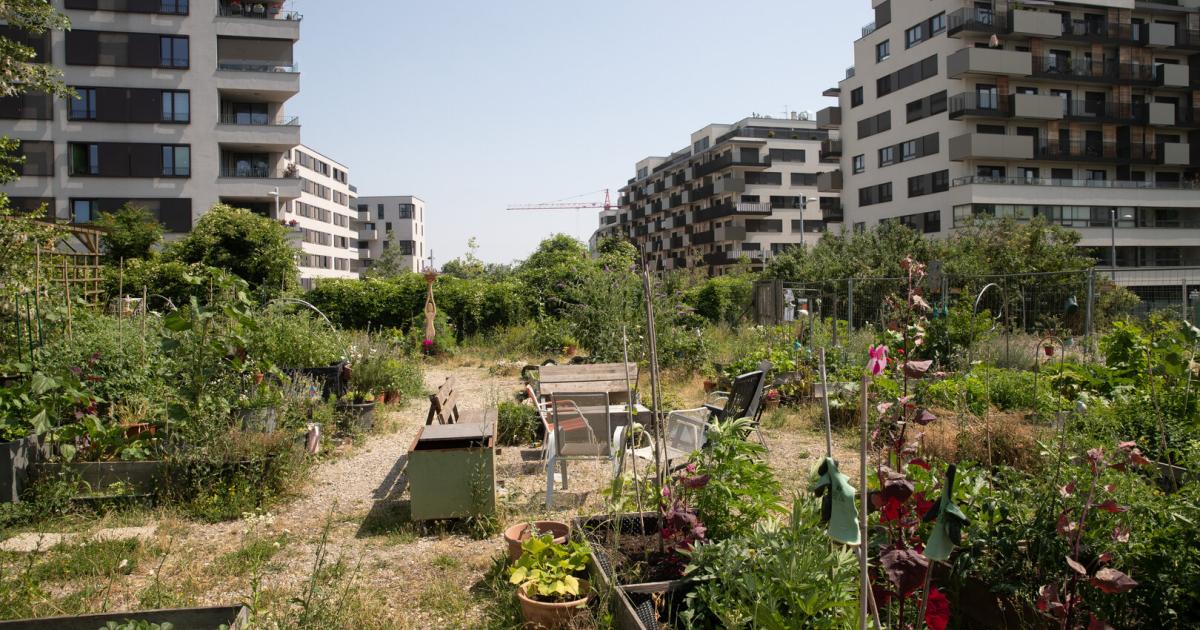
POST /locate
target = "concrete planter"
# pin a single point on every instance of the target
(232, 617)
(15, 458)
(136, 479)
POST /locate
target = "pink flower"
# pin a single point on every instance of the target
(427, 343)
(878, 360)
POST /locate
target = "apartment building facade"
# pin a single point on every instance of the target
(1086, 113)
(180, 106)
(324, 218)
(393, 221)
(742, 191)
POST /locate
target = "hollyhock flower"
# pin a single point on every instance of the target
(878, 360)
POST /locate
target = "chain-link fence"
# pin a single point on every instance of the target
(1074, 301)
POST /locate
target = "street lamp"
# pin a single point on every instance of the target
(275, 194)
(803, 202)
(1112, 224)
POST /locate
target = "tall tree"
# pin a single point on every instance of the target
(129, 233)
(248, 245)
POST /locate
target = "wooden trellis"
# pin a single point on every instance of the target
(73, 263)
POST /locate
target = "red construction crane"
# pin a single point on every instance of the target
(566, 204)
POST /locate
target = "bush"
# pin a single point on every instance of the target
(516, 424)
(724, 299)
(741, 488)
(296, 340)
(774, 575)
(253, 247)
(1007, 390)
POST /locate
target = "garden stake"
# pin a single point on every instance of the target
(637, 486)
(825, 404)
(67, 289)
(1162, 427)
(652, 338)
(864, 580)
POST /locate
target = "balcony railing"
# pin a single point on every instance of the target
(1075, 183)
(259, 66)
(1098, 70)
(976, 21)
(868, 29)
(283, 121)
(1096, 151)
(247, 10)
(1106, 110)
(1105, 31)
(256, 172)
(830, 148)
(850, 72)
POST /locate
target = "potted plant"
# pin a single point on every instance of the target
(259, 407)
(358, 409)
(516, 535)
(235, 7)
(548, 581)
(772, 400)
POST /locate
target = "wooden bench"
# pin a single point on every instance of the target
(443, 405)
(606, 378)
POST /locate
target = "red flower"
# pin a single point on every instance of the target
(937, 611)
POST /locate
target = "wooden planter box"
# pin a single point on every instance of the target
(329, 376)
(452, 471)
(630, 601)
(15, 458)
(140, 478)
(233, 617)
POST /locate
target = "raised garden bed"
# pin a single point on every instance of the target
(649, 606)
(106, 480)
(623, 553)
(231, 617)
(358, 416)
(330, 377)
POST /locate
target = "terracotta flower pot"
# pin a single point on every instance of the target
(1049, 350)
(519, 533)
(709, 386)
(772, 404)
(552, 615)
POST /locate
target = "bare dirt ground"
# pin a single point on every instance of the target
(397, 574)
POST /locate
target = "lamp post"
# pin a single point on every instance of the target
(1112, 223)
(275, 194)
(803, 202)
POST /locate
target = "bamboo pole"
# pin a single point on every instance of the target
(67, 290)
(864, 579)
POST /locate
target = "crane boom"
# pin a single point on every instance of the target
(558, 205)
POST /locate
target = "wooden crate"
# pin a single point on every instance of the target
(452, 471)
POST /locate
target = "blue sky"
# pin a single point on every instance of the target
(473, 106)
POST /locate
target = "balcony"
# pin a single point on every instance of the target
(972, 20)
(1094, 152)
(829, 118)
(368, 234)
(730, 208)
(729, 185)
(1103, 71)
(991, 146)
(1034, 23)
(1105, 32)
(245, 22)
(274, 81)
(677, 242)
(1160, 35)
(831, 150)
(1046, 191)
(1175, 154)
(1106, 111)
(257, 183)
(696, 194)
(701, 238)
(1173, 75)
(279, 134)
(734, 158)
(990, 62)
(730, 233)
(830, 181)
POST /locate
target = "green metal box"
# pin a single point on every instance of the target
(452, 471)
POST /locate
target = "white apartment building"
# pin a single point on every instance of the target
(741, 191)
(181, 105)
(393, 221)
(1086, 113)
(325, 218)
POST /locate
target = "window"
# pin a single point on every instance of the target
(929, 183)
(883, 86)
(860, 163)
(38, 158)
(406, 211)
(84, 107)
(908, 150)
(254, 114)
(856, 97)
(887, 155)
(176, 160)
(883, 50)
(406, 247)
(379, 211)
(174, 52)
(875, 124)
(1029, 173)
(83, 210)
(997, 130)
(937, 24)
(178, 7)
(85, 159)
(176, 106)
(914, 36)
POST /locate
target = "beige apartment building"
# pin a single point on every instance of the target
(324, 218)
(394, 221)
(1086, 113)
(181, 105)
(744, 191)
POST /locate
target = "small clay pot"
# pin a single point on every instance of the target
(552, 615)
(519, 533)
(1049, 350)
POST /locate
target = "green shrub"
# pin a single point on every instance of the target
(774, 575)
(295, 340)
(1006, 390)
(516, 424)
(741, 488)
(723, 299)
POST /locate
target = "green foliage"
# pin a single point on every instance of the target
(549, 571)
(1007, 390)
(20, 236)
(137, 624)
(250, 246)
(774, 575)
(129, 233)
(723, 298)
(295, 340)
(19, 74)
(741, 488)
(167, 284)
(94, 559)
(554, 274)
(225, 478)
(516, 424)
